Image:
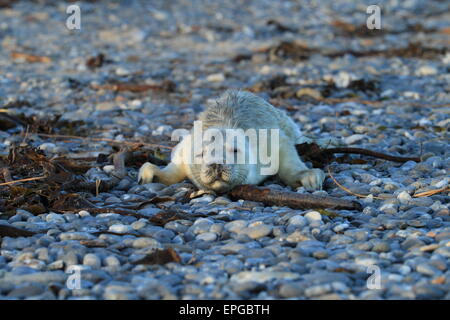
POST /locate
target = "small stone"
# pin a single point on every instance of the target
(216, 77)
(429, 291)
(162, 130)
(109, 169)
(111, 200)
(430, 247)
(141, 223)
(365, 261)
(381, 246)
(428, 270)
(208, 236)
(411, 243)
(297, 221)
(354, 138)
(56, 265)
(389, 208)
(313, 216)
(149, 212)
(207, 198)
(122, 71)
(119, 292)
(318, 290)
(106, 106)
(320, 254)
(258, 231)
(408, 165)
(49, 147)
(236, 226)
(25, 291)
(297, 236)
(92, 260)
(404, 197)
(341, 227)
(291, 290)
(112, 261)
(201, 225)
(121, 228)
(416, 223)
(427, 71)
(84, 213)
(54, 218)
(76, 236)
(148, 243)
(263, 276)
(37, 277)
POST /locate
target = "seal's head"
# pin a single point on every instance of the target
(220, 166)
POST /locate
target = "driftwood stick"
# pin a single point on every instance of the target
(290, 199)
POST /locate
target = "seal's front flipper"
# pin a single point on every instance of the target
(171, 174)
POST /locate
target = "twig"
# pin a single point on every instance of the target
(22, 180)
(290, 199)
(97, 187)
(350, 191)
(431, 192)
(417, 195)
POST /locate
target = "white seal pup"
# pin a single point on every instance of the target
(238, 111)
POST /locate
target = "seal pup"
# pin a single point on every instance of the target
(239, 111)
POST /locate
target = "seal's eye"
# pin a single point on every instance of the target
(235, 150)
(199, 155)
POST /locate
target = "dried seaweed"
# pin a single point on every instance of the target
(96, 61)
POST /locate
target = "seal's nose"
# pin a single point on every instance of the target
(216, 167)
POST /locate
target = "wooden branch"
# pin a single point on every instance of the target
(290, 199)
(322, 157)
